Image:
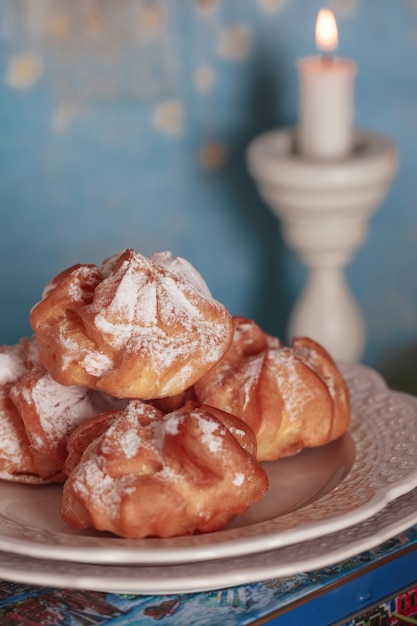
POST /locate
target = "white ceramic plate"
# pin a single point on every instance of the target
(313, 494)
(211, 575)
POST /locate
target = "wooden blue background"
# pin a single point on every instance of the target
(125, 124)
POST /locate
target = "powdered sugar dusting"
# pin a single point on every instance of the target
(11, 450)
(60, 408)
(139, 431)
(136, 427)
(294, 393)
(211, 433)
(12, 364)
(172, 423)
(130, 442)
(70, 349)
(145, 308)
(144, 298)
(315, 362)
(237, 432)
(183, 269)
(96, 363)
(137, 309)
(171, 492)
(239, 479)
(123, 306)
(84, 278)
(144, 303)
(92, 483)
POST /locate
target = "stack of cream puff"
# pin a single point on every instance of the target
(153, 405)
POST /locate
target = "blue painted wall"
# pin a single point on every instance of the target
(125, 125)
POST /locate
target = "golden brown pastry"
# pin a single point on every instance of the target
(83, 435)
(37, 415)
(49, 412)
(132, 328)
(146, 473)
(16, 461)
(183, 269)
(292, 397)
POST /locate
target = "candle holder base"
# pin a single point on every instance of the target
(324, 208)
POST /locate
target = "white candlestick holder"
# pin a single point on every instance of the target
(324, 208)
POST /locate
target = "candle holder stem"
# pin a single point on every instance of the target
(324, 207)
(327, 311)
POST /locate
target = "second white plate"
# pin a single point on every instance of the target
(321, 552)
(313, 494)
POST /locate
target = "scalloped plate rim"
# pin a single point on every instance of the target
(227, 543)
(191, 578)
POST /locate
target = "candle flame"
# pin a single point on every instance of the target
(326, 31)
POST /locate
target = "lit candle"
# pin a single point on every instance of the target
(326, 86)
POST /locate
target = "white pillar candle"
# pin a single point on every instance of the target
(326, 96)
